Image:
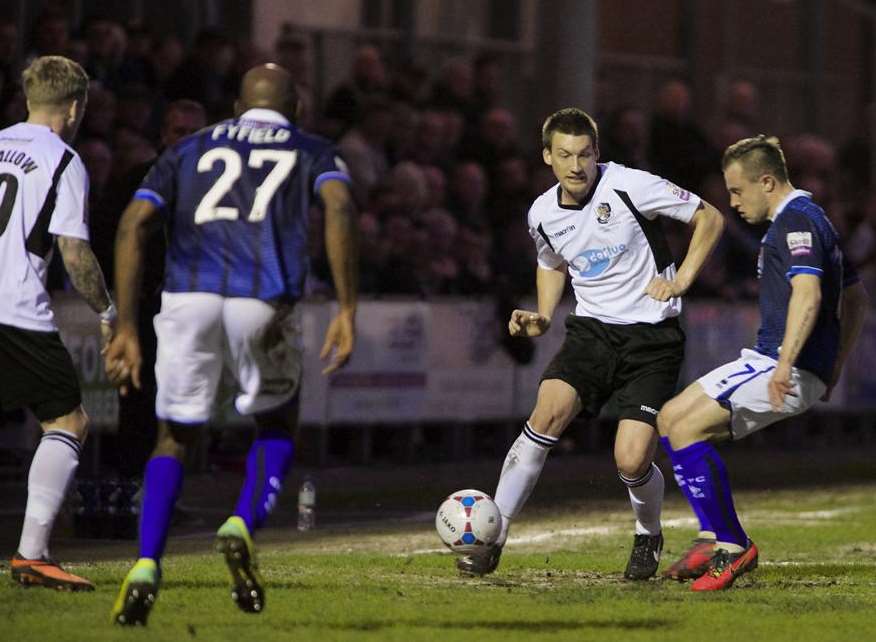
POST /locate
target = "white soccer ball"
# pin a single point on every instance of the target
(468, 521)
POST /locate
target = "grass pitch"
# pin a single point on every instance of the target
(560, 579)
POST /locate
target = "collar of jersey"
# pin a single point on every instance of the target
(797, 193)
(581, 206)
(262, 115)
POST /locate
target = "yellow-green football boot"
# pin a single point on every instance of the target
(235, 543)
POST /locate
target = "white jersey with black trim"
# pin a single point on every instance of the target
(43, 194)
(613, 244)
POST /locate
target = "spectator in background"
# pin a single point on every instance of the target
(494, 140)
(10, 65)
(166, 58)
(363, 147)
(105, 52)
(207, 76)
(51, 35)
(812, 166)
(437, 268)
(742, 104)
(678, 148)
(101, 115)
(625, 138)
(292, 51)
(430, 146)
(130, 148)
(469, 187)
(368, 79)
(436, 182)
(454, 90)
(134, 108)
(487, 82)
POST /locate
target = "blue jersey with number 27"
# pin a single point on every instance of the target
(236, 197)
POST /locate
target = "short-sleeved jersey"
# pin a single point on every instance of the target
(613, 244)
(43, 194)
(801, 240)
(236, 197)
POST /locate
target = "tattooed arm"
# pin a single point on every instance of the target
(84, 272)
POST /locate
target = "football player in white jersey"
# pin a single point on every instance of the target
(599, 226)
(44, 195)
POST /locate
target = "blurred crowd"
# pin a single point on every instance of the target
(442, 175)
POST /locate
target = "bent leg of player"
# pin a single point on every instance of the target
(53, 466)
(264, 355)
(557, 405)
(730, 402)
(634, 453)
(188, 368)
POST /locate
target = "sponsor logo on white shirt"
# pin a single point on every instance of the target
(592, 263)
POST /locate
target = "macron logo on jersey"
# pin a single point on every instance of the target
(800, 243)
(592, 263)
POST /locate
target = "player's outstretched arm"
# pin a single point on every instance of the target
(342, 247)
(550, 285)
(853, 312)
(803, 309)
(708, 224)
(123, 358)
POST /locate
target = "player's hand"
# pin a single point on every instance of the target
(340, 337)
(780, 385)
(122, 360)
(107, 332)
(663, 290)
(524, 323)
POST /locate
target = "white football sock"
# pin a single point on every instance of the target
(646, 498)
(53, 466)
(520, 472)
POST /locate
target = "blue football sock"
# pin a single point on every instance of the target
(705, 525)
(708, 490)
(267, 464)
(162, 482)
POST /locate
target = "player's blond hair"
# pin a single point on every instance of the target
(758, 155)
(52, 81)
(570, 120)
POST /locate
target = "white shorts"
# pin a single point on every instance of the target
(742, 387)
(200, 334)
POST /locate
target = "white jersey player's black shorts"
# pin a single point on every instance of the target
(36, 372)
(639, 363)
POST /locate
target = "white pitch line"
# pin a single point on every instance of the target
(678, 522)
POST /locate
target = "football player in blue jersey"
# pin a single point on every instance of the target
(812, 308)
(234, 199)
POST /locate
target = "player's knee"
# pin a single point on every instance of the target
(667, 418)
(75, 423)
(632, 463)
(550, 419)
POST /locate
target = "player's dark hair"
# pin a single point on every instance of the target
(570, 120)
(759, 155)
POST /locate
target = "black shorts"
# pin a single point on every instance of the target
(36, 372)
(640, 363)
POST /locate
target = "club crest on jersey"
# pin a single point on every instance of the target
(592, 263)
(800, 243)
(603, 212)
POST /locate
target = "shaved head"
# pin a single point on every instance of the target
(268, 87)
